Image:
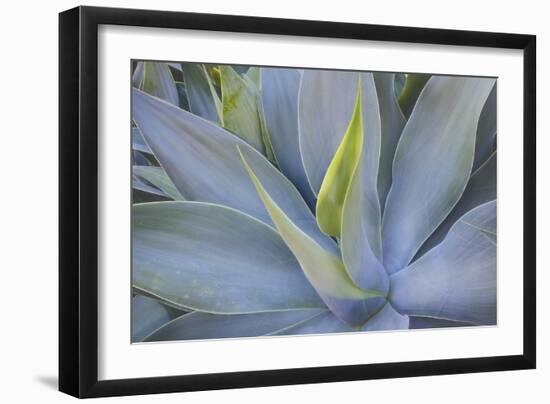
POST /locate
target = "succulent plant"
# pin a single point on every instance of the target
(277, 201)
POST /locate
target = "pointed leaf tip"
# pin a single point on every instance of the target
(325, 271)
(340, 172)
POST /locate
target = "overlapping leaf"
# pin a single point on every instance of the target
(432, 164)
(215, 259)
(455, 280)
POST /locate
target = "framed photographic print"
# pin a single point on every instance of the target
(249, 201)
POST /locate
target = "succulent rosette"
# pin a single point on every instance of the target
(277, 201)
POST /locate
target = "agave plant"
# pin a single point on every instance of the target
(275, 201)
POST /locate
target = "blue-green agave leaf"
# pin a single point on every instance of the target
(455, 280)
(486, 130)
(360, 239)
(392, 124)
(324, 269)
(148, 315)
(198, 325)
(280, 105)
(325, 105)
(430, 322)
(203, 162)
(142, 185)
(157, 177)
(203, 99)
(176, 66)
(240, 107)
(326, 322)
(215, 259)
(158, 81)
(414, 84)
(481, 188)
(432, 164)
(254, 75)
(138, 143)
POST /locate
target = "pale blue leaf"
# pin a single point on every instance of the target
(325, 106)
(481, 188)
(176, 66)
(486, 130)
(157, 177)
(429, 322)
(432, 163)
(203, 100)
(457, 279)
(198, 325)
(138, 143)
(148, 315)
(211, 258)
(203, 162)
(326, 322)
(392, 124)
(141, 185)
(158, 81)
(360, 239)
(280, 104)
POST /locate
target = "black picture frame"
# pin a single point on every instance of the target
(78, 201)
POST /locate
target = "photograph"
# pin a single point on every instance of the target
(283, 201)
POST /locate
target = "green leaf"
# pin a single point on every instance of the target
(239, 108)
(158, 81)
(414, 84)
(200, 256)
(338, 177)
(199, 325)
(254, 75)
(157, 177)
(324, 270)
(432, 164)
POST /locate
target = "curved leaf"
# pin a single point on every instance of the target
(432, 164)
(141, 185)
(203, 100)
(324, 270)
(137, 76)
(486, 130)
(215, 259)
(280, 105)
(157, 177)
(138, 143)
(148, 315)
(203, 162)
(239, 108)
(158, 81)
(481, 188)
(325, 105)
(326, 322)
(392, 124)
(199, 325)
(428, 322)
(414, 84)
(456, 280)
(360, 241)
(336, 183)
